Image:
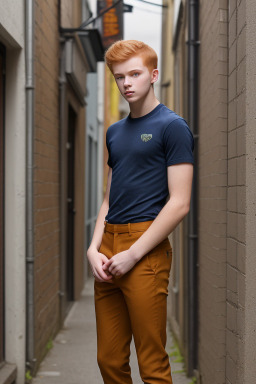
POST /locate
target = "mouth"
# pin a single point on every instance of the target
(129, 93)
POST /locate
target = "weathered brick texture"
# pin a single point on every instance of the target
(236, 192)
(46, 174)
(213, 176)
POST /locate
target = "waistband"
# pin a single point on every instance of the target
(127, 228)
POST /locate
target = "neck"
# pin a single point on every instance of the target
(143, 107)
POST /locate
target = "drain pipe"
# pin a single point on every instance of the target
(193, 58)
(29, 53)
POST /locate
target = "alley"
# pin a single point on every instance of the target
(72, 359)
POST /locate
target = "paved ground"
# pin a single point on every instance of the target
(72, 360)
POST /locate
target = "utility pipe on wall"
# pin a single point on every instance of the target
(29, 53)
(193, 84)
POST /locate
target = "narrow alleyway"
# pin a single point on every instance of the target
(72, 359)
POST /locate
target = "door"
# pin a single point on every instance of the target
(2, 108)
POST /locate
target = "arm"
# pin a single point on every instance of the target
(179, 183)
(95, 258)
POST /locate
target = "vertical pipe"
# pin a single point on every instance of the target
(62, 162)
(193, 45)
(29, 53)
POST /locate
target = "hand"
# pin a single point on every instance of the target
(120, 264)
(97, 260)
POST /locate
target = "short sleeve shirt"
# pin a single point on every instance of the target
(140, 150)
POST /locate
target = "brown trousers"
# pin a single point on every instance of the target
(134, 304)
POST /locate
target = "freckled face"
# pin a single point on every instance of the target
(133, 79)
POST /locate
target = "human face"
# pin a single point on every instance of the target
(134, 79)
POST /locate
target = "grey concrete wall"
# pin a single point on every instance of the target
(12, 36)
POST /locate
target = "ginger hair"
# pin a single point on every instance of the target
(123, 50)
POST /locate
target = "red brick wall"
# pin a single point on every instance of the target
(46, 174)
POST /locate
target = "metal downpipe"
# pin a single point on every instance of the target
(29, 56)
(193, 60)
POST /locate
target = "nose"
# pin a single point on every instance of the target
(127, 81)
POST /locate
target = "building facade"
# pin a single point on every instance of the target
(13, 186)
(224, 293)
(44, 62)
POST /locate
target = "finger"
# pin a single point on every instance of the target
(112, 267)
(104, 258)
(108, 263)
(114, 270)
(100, 276)
(104, 276)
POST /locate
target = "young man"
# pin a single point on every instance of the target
(148, 194)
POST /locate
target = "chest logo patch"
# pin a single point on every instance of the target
(146, 137)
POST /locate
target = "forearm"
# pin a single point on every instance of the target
(99, 227)
(166, 221)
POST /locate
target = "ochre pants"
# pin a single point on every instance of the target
(134, 304)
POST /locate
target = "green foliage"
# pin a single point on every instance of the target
(28, 376)
(193, 381)
(178, 371)
(176, 353)
(179, 359)
(49, 345)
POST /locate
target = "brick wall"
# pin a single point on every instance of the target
(46, 174)
(71, 13)
(236, 192)
(213, 169)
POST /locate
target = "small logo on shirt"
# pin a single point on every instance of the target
(146, 137)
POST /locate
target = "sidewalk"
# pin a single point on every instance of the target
(72, 360)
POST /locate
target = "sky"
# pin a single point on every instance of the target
(144, 24)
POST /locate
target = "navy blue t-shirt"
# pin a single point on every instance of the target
(140, 150)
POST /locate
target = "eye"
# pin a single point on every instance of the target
(119, 77)
(136, 74)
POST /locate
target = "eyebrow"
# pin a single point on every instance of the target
(133, 70)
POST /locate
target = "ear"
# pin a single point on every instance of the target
(154, 75)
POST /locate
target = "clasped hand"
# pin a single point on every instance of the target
(104, 269)
(120, 263)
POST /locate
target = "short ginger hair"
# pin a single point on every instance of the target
(123, 50)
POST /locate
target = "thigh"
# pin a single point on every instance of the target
(112, 319)
(145, 291)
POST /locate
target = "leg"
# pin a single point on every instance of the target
(145, 291)
(113, 334)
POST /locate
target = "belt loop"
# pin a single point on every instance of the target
(129, 228)
(105, 226)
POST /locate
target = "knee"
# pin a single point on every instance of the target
(108, 362)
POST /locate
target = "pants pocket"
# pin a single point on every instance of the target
(162, 253)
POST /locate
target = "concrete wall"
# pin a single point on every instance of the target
(12, 36)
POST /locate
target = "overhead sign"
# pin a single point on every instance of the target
(111, 22)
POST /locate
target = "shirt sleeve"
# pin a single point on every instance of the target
(178, 143)
(109, 153)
